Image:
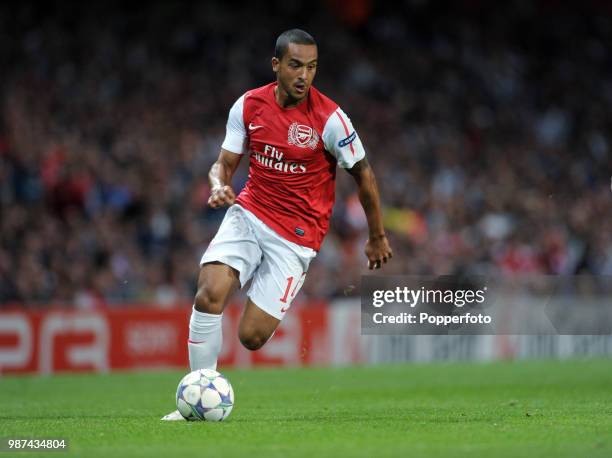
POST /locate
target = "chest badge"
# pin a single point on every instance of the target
(302, 136)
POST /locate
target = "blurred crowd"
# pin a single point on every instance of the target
(488, 125)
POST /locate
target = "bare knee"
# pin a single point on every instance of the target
(208, 301)
(252, 340)
(216, 283)
(256, 326)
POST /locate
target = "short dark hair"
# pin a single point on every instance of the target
(296, 36)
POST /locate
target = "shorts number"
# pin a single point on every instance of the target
(289, 282)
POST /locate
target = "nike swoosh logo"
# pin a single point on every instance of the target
(253, 127)
(194, 342)
(283, 309)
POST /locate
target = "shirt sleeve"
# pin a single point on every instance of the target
(341, 139)
(236, 139)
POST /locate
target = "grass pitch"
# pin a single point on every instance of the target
(438, 410)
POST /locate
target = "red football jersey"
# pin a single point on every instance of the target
(293, 157)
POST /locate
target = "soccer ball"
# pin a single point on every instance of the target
(204, 395)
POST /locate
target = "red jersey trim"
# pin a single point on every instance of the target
(345, 131)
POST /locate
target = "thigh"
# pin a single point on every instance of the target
(256, 323)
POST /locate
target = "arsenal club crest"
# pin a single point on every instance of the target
(302, 136)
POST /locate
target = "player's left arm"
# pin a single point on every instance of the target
(377, 249)
(341, 140)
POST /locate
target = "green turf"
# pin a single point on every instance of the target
(505, 409)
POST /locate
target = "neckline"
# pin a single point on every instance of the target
(296, 107)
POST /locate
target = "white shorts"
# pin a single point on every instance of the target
(278, 267)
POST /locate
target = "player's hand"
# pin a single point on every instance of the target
(378, 251)
(221, 196)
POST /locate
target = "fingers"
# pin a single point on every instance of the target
(376, 262)
(378, 258)
(221, 197)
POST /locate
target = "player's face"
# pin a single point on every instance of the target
(296, 70)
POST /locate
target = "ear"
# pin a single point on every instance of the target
(275, 64)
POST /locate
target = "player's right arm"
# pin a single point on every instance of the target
(220, 179)
(234, 146)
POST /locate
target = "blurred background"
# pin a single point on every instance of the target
(488, 124)
(489, 128)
